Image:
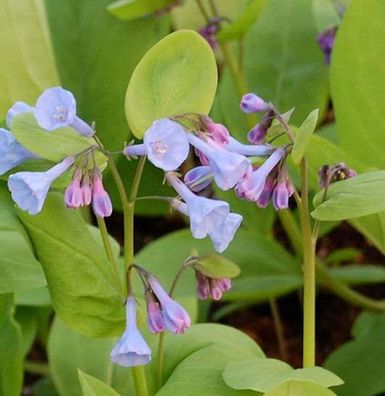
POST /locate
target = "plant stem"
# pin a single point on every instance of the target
(128, 205)
(309, 294)
(40, 368)
(108, 249)
(292, 231)
(203, 10)
(279, 329)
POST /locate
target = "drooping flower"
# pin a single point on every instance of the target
(29, 189)
(131, 349)
(252, 186)
(165, 143)
(326, 40)
(255, 150)
(210, 287)
(176, 319)
(12, 153)
(228, 168)
(17, 108)
(205, 214)
(73, 195)
(155, 319)
(282, 191)
(332, 173)
(101, 202)
(222, 236)
(267, 192)
(198, 178)
(218, 132)
(251, 103)
(56, 108)
(209, 32)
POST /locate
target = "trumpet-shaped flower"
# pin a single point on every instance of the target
(155, 319)
(251, 103)
(131, 349)
(198, 178)
(12, 153)
(252, 186)
(101, 202)
(222, 236)
(17, 108)
(165, 144)
(29, 189)
(210, 287)
(254, 150)
(205, 214)
(267, 192)
(73, 195)
(56, 108)
(176, 319)
(228, 168)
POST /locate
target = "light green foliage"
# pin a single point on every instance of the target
(239, 27)
(19, 269)
(216, 266)
(96, 54)
(195, 361)
(359, 274)
(283, 63)
(133, 9)
(263, 375)
(27, 66)
(325, 14)
(27, 318)
(356, 197)
(303, 135)
(299, 388)
(360, 363)
(358, 81)
(83, 290)
(11, 346)
(91, 386)
(69, 351)
(177, 75)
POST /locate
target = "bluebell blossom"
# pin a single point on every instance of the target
(267, 192)
(56, 108)
(73, 195)
(210, 287)
(254, 150)
(165, 143)
(205, 214)
(176, 319)
(17, 108)
(101, 202)
(198, 178)
(155, 320)
(222, 236)
(131, 349)
(251, 103)
(228, 168)
(29, 189)
(252, 186)
(12, 153)
(326, 40)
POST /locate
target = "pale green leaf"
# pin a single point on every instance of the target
(132, 9)
(216, 266)
(299, 388)
(359, 274)
(177, 75)
(325, 14)
(303, 135)
(92, 386)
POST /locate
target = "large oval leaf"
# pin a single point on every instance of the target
(177, 75)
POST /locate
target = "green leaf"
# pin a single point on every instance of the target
(358, 81)
(95, 60)
(195, 361)
(19, 269)
(361, 362)
(325, 14)
(53, 146)
(237, 29)
(340, 255)
(299, 388)
(283, 63)
(262, 375)
(29, 66)
(34, 297)
(92, 386)
(216, 266)
(303, 135)
(359, 196)
(177, 75)
(69, 351)
(11, 356)
(80, 280)
(132, 9)
(359, 274)
(27, 319)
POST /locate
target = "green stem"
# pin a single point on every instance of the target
(128, 205)
(108, 249)
(309, 294)
(279, 329)
(40, 368)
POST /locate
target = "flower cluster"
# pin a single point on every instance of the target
(54, 109)
(164, 313)
(332, 173)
